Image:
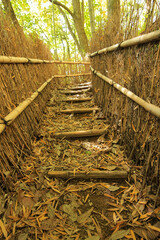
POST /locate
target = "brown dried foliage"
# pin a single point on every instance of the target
(18, 82)
(138, 69)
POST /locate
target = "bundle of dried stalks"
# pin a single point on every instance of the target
(17, 83)
(138, 69)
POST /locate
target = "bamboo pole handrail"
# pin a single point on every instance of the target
(10, 59)
(7, 120)
(153, 109)
(69, 62)
(145, 38)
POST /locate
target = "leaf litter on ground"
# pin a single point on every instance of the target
(42, 208)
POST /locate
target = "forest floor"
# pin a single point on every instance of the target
(42, 206)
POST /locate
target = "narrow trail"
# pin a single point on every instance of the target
(76, 187)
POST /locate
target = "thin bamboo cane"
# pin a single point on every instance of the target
(10, 59)
(147, 106)
(146, 38)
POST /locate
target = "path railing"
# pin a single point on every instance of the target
(23, 94)
(126, 83)
(11, 59)
(6, 121)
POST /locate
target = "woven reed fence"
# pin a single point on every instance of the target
(123, 73)
(25, 86)
(17, 83)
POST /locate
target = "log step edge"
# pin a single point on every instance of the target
(118, 174)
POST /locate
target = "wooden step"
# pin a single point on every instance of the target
(117, 174)
(67, 92)
(85, 83)
(77, 99)
(80, 110)
(80, 87)
(84, 133)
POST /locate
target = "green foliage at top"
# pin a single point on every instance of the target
(36, 17)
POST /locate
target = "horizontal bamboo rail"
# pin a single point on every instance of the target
(147, 106)
(10, 59)
(69, 62)
(146, 38)
(22, 106)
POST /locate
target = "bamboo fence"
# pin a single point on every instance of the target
(147, 106)
(6, 121)
(131, 101)
(146, 38)
(24, 93)
(21, 107)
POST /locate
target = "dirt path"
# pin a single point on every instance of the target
(96, 208)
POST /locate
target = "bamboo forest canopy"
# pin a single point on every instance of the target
(68, 26)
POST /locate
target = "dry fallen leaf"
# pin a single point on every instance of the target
(93, 238)
(3, 228)
(83, 217)
(119, 234)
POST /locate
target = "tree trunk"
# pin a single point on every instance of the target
(82, 11)
(150, 11)
(113, 7)
(71, 31)
(10, 12)
(92, 16)
(53, 31)
(78, 22)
